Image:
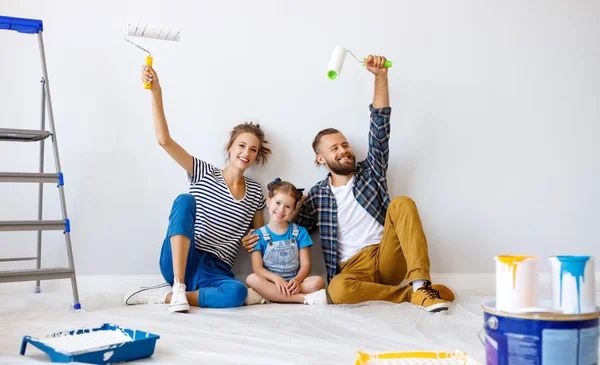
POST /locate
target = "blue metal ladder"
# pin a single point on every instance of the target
(34, 26)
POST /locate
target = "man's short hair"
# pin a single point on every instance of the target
(317, 140)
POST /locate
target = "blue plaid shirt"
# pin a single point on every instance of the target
(370, 190)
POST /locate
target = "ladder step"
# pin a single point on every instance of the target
(29, 177)
(18, 259)
(36, 274)
(21, 25)
(32, 225)
(22, 135)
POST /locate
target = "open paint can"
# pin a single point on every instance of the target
(573, 284)
(540, 338)
(516, 282)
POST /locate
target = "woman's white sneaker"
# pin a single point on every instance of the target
(150, 295)
(179, 302)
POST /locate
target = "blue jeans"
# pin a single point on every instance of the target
(205, 272)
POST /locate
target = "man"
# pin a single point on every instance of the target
(370, 244)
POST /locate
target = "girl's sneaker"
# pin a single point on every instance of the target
(316, 298)
(254, 298)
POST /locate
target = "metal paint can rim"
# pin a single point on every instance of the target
(490, 308)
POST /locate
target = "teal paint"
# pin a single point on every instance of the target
(575, 266)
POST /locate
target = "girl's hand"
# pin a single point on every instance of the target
(294, 286)
(282, 286)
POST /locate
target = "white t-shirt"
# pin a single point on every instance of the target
(356, 228)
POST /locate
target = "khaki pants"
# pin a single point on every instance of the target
(376, 271)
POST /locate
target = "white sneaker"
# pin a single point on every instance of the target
(179, 302)
(254, 298)
(316, 298)
(148, 295)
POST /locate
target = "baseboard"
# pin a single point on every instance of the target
(458, 281)
(465, 281)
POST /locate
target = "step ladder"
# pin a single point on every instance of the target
(34, 26)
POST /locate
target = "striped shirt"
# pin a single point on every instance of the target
(221, 220)
(370, 190)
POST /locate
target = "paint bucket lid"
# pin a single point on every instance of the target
(490, 308)
(540, 310)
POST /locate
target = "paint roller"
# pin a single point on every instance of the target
(152, 32)
(337, 61)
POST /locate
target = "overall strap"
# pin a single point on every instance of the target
(265, 234)
(295, 231)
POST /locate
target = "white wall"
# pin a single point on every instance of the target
(494, 128)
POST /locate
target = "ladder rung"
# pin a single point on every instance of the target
(21, 25)
(36, 274)
(22, 135)
(32, 225)
(29, 177)
(18, 259)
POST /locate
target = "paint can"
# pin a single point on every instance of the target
(539, 338)
(516, 282)
(573, 284)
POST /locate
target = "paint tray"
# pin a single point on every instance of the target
(106, 344)
(417, 358)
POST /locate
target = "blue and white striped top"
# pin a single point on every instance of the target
(221, 220)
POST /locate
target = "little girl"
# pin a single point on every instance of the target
(281, 259)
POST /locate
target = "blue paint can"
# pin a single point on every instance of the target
(540, 338)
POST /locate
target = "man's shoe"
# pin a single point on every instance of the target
(429, 299)
(148, 295)
(179, 302)
(446, 293)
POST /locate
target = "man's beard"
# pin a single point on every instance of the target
(340, 168)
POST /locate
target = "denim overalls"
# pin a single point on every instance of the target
(281, 257)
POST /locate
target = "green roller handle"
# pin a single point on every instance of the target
(385, 64)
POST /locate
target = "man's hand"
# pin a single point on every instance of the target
(294, 286)
(250, 241)
(375, 65)
(297, 208)
(282, 286)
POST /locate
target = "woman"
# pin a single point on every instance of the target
(206, 225)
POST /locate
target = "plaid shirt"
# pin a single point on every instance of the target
(370, 190)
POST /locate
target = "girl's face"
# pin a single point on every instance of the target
(280, 207)
(243, 150)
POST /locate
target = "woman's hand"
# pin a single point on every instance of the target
(250, 241)
(150, 76)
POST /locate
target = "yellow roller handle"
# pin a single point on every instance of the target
(147, 85)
